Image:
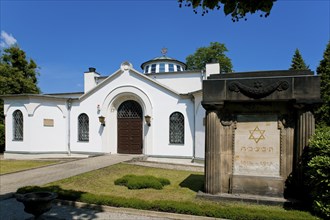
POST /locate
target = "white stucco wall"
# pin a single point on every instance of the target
(9, 108)
(156, 100)
(182, 82)
(48, 138)
(199, 127)
(36, 137)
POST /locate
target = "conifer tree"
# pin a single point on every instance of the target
(298, 62)
(322, 114)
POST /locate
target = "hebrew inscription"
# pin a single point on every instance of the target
(257, 146)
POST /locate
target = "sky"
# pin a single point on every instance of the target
(66, 37)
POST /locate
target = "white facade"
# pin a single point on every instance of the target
(50, 122)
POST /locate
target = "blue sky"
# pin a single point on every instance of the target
(67, 37)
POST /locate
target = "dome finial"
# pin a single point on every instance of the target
(164, 51)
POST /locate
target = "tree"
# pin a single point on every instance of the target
(17, 75)
(316, 170)
(238, 9)
(203, 55)
(322, 114)
(298, 62)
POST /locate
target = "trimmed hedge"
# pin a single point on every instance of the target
(142, 182)
(199, 208)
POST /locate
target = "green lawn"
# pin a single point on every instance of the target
(101, 182)
(10, 166)
(98, 187)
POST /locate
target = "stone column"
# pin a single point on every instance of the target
(304, 130)
(212, 153)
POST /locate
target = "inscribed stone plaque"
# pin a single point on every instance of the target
(257, 146)
(49, 122)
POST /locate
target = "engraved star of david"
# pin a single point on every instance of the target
(257, 132)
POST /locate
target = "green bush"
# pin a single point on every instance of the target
(2, 138)
(317, 178)
(142, 182)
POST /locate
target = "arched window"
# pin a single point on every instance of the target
(83, 127)
(17, 125)
(176, 128)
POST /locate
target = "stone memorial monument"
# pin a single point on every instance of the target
(257, 125)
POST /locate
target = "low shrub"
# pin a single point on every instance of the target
(317, 175)
(142, 182)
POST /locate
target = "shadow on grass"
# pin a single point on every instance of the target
(65, 209)
(195, 182)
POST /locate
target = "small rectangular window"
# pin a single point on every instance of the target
(178, 68)
(162, 67)
(153, 68)
(146, 69)
(170, 67)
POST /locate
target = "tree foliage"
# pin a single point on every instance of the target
(322, 114)
(213, 53)
(317, 175)
(238, 9)
(17, 75)
(298, 62)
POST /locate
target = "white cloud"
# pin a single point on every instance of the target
(7, 40)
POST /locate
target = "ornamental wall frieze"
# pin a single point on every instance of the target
(258, 90)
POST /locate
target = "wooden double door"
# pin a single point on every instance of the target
(129, 122)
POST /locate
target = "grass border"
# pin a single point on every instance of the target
(33, 168)
(198, 208)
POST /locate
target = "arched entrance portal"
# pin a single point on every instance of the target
(129, 118)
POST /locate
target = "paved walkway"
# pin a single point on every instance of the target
(9, 183)
(10, 209)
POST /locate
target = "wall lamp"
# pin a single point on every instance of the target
(148, 119)
(102, 120)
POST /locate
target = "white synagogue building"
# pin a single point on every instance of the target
(156, 112)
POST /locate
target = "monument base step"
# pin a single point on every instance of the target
(256, 199)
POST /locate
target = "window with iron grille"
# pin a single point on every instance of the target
(176, 128)
(83, 127)
(17, 126)
(129, 109)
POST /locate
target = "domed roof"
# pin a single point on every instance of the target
(163, 58)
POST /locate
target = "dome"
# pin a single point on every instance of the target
(163, 64)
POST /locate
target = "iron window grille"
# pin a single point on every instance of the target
(83, 127)
(130, 109)
(17, 126)
(176, 128)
